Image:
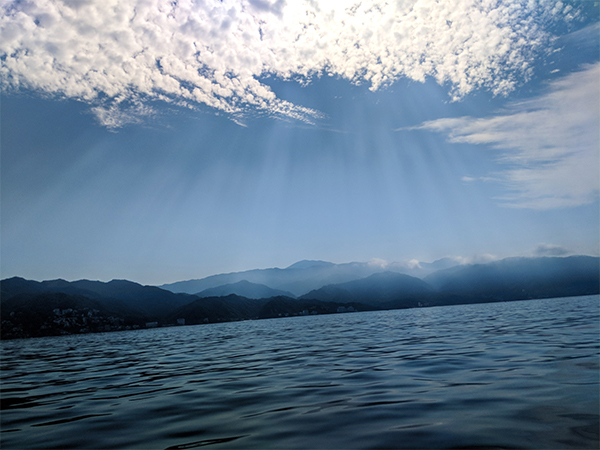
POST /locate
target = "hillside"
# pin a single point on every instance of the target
(521, 278)
(57, 313)
(377, 289)
(234, 307)
(150, 300)
(244, 288)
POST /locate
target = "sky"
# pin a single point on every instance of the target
(159, 141)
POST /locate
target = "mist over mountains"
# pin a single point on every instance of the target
(31, 308)
(305, 276)
(520, 278)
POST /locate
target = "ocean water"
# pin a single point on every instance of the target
(502, 375)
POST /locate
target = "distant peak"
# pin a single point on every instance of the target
(306, 263)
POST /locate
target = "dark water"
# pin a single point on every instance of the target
(504, 375)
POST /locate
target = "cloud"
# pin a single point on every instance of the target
(475, 259)
(550, 250)
(411, 264)
(378, 262)
(118, 54)
(550, 143)
(115, 116)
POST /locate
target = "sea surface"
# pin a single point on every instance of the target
(502, 375)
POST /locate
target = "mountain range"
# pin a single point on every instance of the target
(31, 308)
(305, 276)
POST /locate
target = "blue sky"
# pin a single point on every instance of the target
(160, 141)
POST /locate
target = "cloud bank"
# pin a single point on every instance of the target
(121, 55)
(551, 143)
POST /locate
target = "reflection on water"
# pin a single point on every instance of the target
(503, 375)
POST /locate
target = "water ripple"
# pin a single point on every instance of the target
(505, 375)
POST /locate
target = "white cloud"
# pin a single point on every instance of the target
(412, 264)
(550, 250)
(475, 259)
(115, 116)
(377, 262)
(117, 53)
(551, 143)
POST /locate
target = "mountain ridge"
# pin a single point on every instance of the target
(375, 289)
(244, 288)
(306, 275)
(521, 277)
